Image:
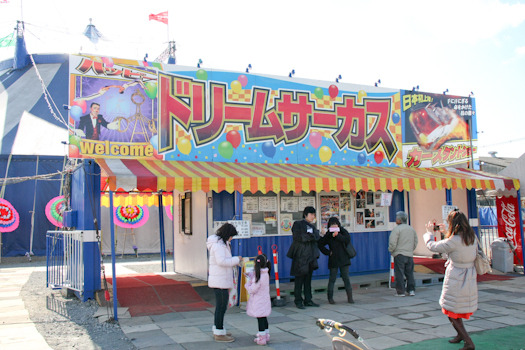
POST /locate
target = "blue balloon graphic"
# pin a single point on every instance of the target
(268, 149)
(154, 140)
(395, 118)
(361, 158)
(76, 112)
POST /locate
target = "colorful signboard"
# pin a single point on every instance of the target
(508, 224)
(436, 129)
(137, 110)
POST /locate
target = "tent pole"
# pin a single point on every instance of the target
(161, 230)
(33, 213)
(113, 273)
(2, 193)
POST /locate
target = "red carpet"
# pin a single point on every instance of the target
(152, 294)
(438, 266)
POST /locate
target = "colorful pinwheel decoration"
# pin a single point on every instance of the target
(55, 211)
(131, 216)
(9, 218)
(169, 211)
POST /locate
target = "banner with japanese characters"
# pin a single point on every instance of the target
(439, 130)
(142, 110)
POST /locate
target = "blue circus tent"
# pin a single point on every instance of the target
(31, 145)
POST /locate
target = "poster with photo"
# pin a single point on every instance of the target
(270, 217)
(370, 198)
(286, 223)
(346, 202)
(359, 218)
(370, 223)
(329, 208)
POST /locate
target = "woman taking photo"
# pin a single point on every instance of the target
(459, 297)
(221, 276)
(337, 238)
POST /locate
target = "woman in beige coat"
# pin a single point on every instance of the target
(459, 297)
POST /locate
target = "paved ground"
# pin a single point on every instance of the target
(383, 321)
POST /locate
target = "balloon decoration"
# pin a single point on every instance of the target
(243, 80)
(151, 89)
(76, 112)
(74, 140)
(55, 209)
(169, 211)
(318, 92)
(74, 152)
(378, 157)
(234, 138)
(268, 149)
(81, 103)
(108, 61)
(395, 118)
(315, 139)
(325, 153)
(360, 96)
(202, 74)
(131, 216)
(156, 155)
(361, 158)
(226, 149)
(184, 146)
(236, 86)
(333, 91)
(154, 140)
(9, 218)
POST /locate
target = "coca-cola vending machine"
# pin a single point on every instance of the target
(508, 224)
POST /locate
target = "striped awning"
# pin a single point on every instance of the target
(156, 175)
(136, 198)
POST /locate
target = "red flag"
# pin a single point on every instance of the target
(161, 17)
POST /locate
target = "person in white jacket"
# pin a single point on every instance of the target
(221, 276)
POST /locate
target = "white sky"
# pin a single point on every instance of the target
(460, 45)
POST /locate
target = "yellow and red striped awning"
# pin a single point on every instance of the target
(156, 175)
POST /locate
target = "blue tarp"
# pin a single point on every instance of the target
(21, 196)
(488, 216)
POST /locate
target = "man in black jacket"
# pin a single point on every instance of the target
(304, 254)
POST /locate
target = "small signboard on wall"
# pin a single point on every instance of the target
(242, 226)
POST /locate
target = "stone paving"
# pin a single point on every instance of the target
(382, 320)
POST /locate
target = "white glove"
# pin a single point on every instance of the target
(80, 133)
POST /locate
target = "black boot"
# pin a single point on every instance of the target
(458, 324)
(349, 296)
(458, 338)
(331, 297)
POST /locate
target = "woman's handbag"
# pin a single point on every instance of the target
(482, 263)
(350, 250)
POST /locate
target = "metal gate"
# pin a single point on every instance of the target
(65, 260)
(487, 235)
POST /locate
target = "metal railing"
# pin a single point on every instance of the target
(65, 260)
(487, 235)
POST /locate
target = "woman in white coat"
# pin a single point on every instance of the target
(459, 297)
(221, 276)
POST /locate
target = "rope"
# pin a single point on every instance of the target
(47, 96)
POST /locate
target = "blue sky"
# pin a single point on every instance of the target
(463, 46)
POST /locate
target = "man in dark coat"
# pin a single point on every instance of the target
(304, 254)
(337, 238)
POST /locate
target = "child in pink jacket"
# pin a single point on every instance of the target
(259, 304)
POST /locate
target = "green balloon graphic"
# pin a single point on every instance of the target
(226, 149)
(151, 89)
(74, 140)
(202, 74)
(318, 92)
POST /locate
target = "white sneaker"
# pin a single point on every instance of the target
(399, 295)
(412, 293)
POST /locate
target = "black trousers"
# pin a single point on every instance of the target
(333, 276)
(263, 323)
(301, 283)
(404, 268)
(221, 305)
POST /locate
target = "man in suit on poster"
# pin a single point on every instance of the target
(89, 125)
